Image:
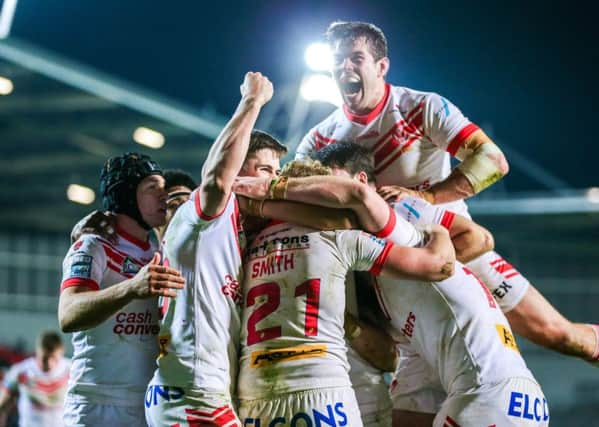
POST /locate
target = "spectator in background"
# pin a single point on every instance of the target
(40, 383)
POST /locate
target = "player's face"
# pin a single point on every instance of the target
(151, 200)
(361, 79)
(49, 360)
(264, 163)
(177, 195)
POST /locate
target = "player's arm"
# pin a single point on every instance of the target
(81, 308)
(373, 344)
(317, 217)
(433, 262)
(328, 191)
(227, 154)
(6, 400)
(469, 239)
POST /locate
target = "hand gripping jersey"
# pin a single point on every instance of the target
(456, 326)
(113, 361)
(41, 394)
(411, 134)
(292, 329)
(199, 329)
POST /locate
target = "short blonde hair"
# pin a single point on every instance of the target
(303, 168)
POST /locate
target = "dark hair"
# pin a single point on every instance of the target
(178, 177)
(49, 341)
(349, 156)
(350, 31)
(260, 139)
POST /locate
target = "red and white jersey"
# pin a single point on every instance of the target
(456, 326)
(126, 342)
(199, 329)
(41, 394)
(411, 133)
(294, 291)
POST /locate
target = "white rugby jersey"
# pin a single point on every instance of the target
(411, 133)
(456, 326)
(41, 394)
(113, 361)
(292, 331)
(199, 329)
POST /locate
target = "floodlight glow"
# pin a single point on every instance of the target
(593, 195)
(6, 86)
(80, 194)
(321, 88)
(148, 137)
(318, 57)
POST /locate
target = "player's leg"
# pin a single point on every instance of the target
(530, 314)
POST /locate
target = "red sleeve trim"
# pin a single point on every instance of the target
(389, 227)
(199, 211)
(447, 219)
(377, 267)
(76, 281)
(459, 139)
(367, 118)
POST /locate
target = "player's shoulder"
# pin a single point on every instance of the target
(408, 98)
(327, 126)
(88, 243)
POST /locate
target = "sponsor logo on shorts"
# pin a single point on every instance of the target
(156, 393)
(523, 405)
(506, 337)
(81, 266)
(334, 416)
(135, 324)
(269, 357)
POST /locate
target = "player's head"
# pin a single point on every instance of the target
(179, 185)
(348, 159)
(49, 350)
(264, 154)
(132, 184)
(304, 167)
(360, 63)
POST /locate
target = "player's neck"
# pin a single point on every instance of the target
(371, 102)
(131, 227)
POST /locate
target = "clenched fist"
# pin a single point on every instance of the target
(256, 87)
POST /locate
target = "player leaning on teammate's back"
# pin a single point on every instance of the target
(108, 299)
(39, 383)
(412, 135)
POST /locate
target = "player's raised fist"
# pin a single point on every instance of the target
(256, 87)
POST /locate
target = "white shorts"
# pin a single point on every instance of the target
(415, 387)
(506, 283)
(80, 414)
(374, 403)
(312, 408)
(513, 402)
(166, 406)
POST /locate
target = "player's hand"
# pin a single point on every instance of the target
(252, 187)
(256, 87)
(393, 193)
(102, 223)
(156, 280)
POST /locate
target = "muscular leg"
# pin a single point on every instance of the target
(403, 418)
(530, 314)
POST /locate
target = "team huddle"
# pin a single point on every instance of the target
(267, 297)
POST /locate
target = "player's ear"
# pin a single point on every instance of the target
(383, 66)
(362, 177)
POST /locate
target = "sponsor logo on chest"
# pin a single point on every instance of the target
(129, 266)
(408, 327)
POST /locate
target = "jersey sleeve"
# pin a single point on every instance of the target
(191, 211)
(11, 379)
(363, 251)
(419, 212)
(400, 231)
(306, 146)
(85, 263)
(444, 123)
